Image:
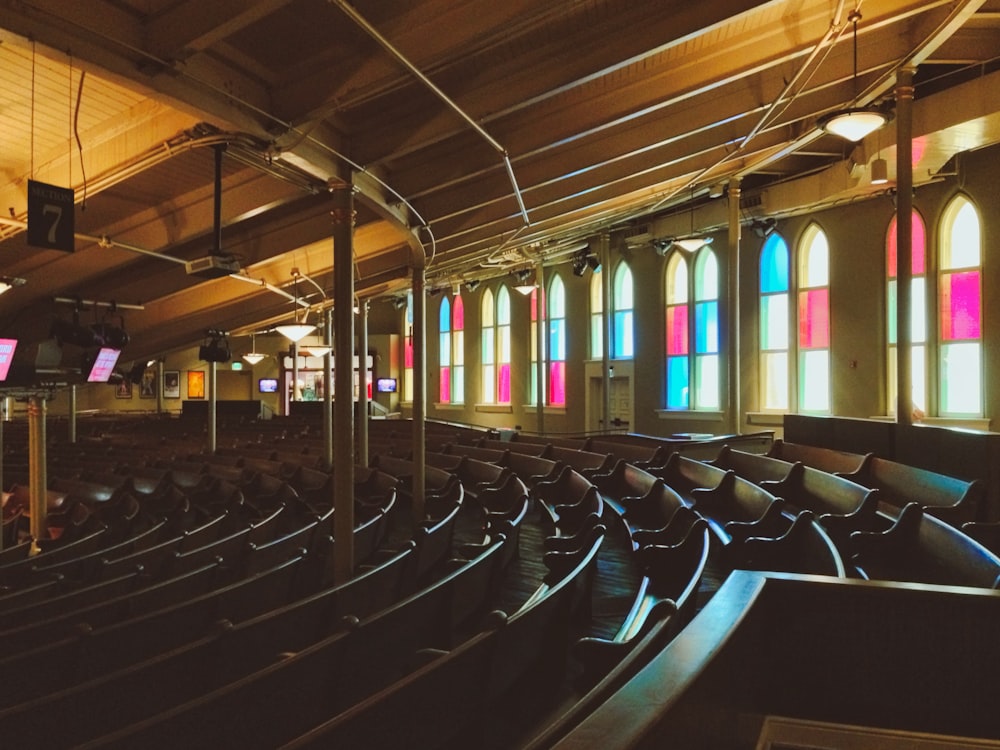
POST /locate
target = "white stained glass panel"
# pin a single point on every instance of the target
(775, 385)
(814, 377)
(960, 389)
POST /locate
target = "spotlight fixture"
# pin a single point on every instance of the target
(585, 259)
(472, 285)
(116, 338)
(215, 348)
(253, 356)
(297, 329)
(853, 123)
(765, 227)
(662, 247)
(9, 282)
(399, 302)
(71, 332)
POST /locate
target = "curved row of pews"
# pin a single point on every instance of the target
(188, 598)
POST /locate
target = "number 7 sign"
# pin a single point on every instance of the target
(50, 216)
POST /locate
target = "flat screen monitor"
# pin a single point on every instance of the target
(104, 363)
(385, 385)
(267, 385)
(7, 347)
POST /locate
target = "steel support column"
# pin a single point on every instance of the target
(38, 481)
(904, 244)
(342, 213)
(419, 392)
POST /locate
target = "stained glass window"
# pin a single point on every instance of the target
(960, 310)
(814, 321)
(408, 350)
(596, 317)
(917, 315)
(623, 344)
(774, 315)
(444, 351)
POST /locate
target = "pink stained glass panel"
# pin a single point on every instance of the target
(677, 330)
(814, 319)
(458, 315)
(445, 389)
(917, 266)
(557, 383)
(960, 306)
(503, 384)
(408, 353)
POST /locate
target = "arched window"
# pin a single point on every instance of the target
(444, 351)
(495, 340)
(774, 289)
(408, 350)
(596, 317)
(814, 321)
(622, 302)
(554, 375)
(458, 351)
(702, 328)
(706, 331)
(917, 314)
(678, 333)
(557, 342)
(960, 311)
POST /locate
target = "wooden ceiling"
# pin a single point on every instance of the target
(480, 136)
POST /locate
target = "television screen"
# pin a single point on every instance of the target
(385, 385)
(104, 362)
(267, 385)
(7, 347)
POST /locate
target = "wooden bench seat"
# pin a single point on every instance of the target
(825, 459)
(804, 548)
(756, 467)
(921, 548)
(955, 501)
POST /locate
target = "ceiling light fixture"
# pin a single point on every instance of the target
(296, 330)
(853, 123)
(253, 356)
(880, 171)
(523, 285)
(315, 346)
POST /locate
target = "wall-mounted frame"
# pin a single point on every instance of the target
(147, 386)
(196, 384)
(124, 389)
(171, 384)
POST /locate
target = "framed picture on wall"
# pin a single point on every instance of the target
(124, 389)
(147, 386)
(171, 384)
(196, 384)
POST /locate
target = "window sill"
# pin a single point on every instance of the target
(495, 408)
(556, 410)
(449, 406)
(688, 415)
(772, 418)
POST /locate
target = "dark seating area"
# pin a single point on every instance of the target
(547, 597)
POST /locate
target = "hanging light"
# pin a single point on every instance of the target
(314, 346)
(296, 330)
(853, 123)
(880, 171)
(523, 285)
(692, 243)
(253, 356)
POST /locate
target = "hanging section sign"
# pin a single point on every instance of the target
(50, 216)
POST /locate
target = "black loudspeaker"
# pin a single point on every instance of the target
(214, 352)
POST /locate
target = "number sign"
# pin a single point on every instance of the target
(50, 216)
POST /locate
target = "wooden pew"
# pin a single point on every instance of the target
(953, 500)
(825, 459)
(921, 548)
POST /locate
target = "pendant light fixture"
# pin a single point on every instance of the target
(853, 123)
(296, 330)
(253, 356)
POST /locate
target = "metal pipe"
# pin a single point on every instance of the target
(342, 214)
(733, 301)
(904, 244)
(328, 391)
(38, 482)
(71, 424)
(213, 383)
(419, 403)
(363, 400)
(607, 319)
(217, 200)
(418, 74)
